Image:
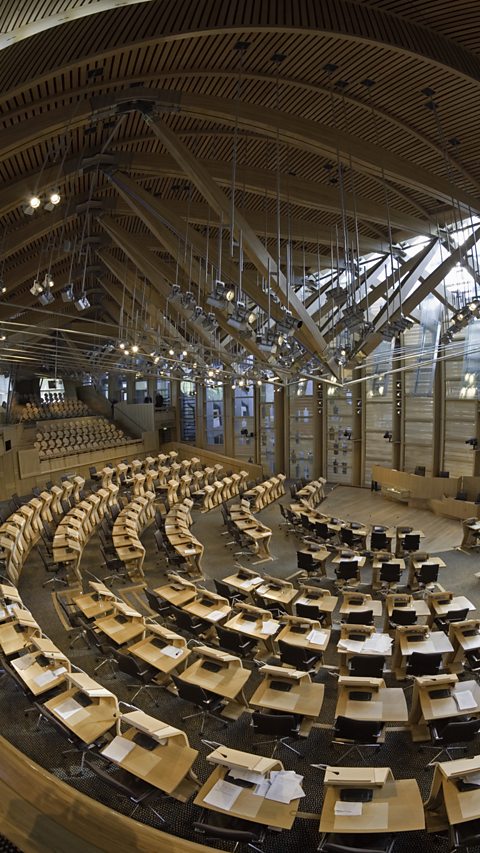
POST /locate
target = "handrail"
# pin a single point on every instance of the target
(40, 813)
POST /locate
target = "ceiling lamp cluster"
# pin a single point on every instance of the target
(460, 319)
(396, 327)
(50, 202)
(43, 289)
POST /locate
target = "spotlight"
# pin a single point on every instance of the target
(135, 348)
(220, 295)
(175, 292)
(46, 298)
(67, 294)
(53, 199)
(34, 202)
(48, 281)
(36, 288)
(82, 303)
(171, 351)
(239, 318)
(122, 345)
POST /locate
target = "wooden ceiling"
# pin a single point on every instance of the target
(349, 123)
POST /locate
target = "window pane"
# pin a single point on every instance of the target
(188, 431)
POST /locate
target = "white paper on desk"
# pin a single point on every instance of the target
(251, 582)
(190, 551)
(11, 609)
(118, 748)
(223, 795)
(270, 626)
(378, 643)
(59, 671)
(262, 589)
(44, 678)
(2, 614)
(348, 809)
(215, 615)
(68, 708)
(350, 645)
(171, 651)
(317, 637)
(23, 663)
(247, 775)
(262, 788)
(465, 700)
(285, 786)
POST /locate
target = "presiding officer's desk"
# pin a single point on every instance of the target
(440, 697)
(155, 752)
(222, 674)
(123, 625)
(367, 698)
(256, 623)
(90, 721)
(417, 638)
(318, 599)
(247, 805)
(405, 602)
(465, 637)
(451, 801)
(289, 691)
(395, 806)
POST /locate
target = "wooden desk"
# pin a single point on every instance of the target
(427, 706)
(244, 580)
(456, 602)
(465, 637)
(254, 623)
(358, 602)
(248, 805)
(277, 592)
(361, 640)
(321, 599)
(434, 642)
(209, 607)
(162, 649)
(447, 805)
(415, 565)
(404, 601)
(97, 603)
(386, 704)
(15, 636)
(87, 723)
(319, 554)
(118, 630)
(228, 682)
(177, 592)
(377, 563)
(396, 805)
(303, 697)
(298, 630)
(166, 766)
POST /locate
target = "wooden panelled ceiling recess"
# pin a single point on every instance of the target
(293, 151)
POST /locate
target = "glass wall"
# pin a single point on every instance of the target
(301, 429)
(267, 428)
(163, 393)
(214, 415)
(188, 419)
(141, 390)
(339, 431)
(420, 348)
(244, 423)
(461, 392)
(378, 411)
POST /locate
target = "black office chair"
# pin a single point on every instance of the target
(52, 568)
(214, 827)
(286, 523)
(142, 673)
(94, 474)
(188, 623)
(125, 784)
(465, 836)
(322, 531)
(402, 616)
(379, 541)
(423, 664)
(299, 657)
(234, 642)
(368, 666)
(278, 727)
(156, 603)
(350, 538)
(358, 842)
(227, 592)
(356, 733)
(427, 574)
(443, 622)
(347, 570)
(204, 700)
(307, 562)
(311, 611)
(389, 575)
(410, 543)
(105, 652)
(472, 660)
(451, 735)
(360, 617)
(116, 567)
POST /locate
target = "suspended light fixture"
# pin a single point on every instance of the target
(36, 288)
(67, 294)
(54, 198)
(82, 303)
(221, 294)
(46, 298)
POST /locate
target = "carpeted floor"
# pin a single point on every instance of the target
(45, 746)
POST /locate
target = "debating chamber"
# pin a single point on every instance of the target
(239, 426)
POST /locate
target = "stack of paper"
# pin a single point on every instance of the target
(270, 626)
(45, 678)
(465, 700)
(378, 643)
(118, 749)
(285, 786)
(67, 708)
(215, 615)
(223, 795)
(171, 651)
(317, 637)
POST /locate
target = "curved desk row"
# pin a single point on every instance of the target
(128, 525)
(265, 493)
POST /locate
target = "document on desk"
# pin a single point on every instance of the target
(270, 626)
(348, 809)
(215, 615)
(171, 651)
(44, 678)
(285, 786)
(317, 637)
(189, 550)
(23, 663)
(68, 708)
(223, 795)
(465, 700)
(118, 749)
(378, 643)
(250, 582)
(350, 646)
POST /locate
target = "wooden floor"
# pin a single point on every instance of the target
(441, 534)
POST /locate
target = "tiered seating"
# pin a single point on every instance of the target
(265, 493)
(78, 437)
(49, 410)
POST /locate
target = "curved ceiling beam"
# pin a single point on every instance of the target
(74, 13)
(302, 85)
(291, 130)
(348, 19)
